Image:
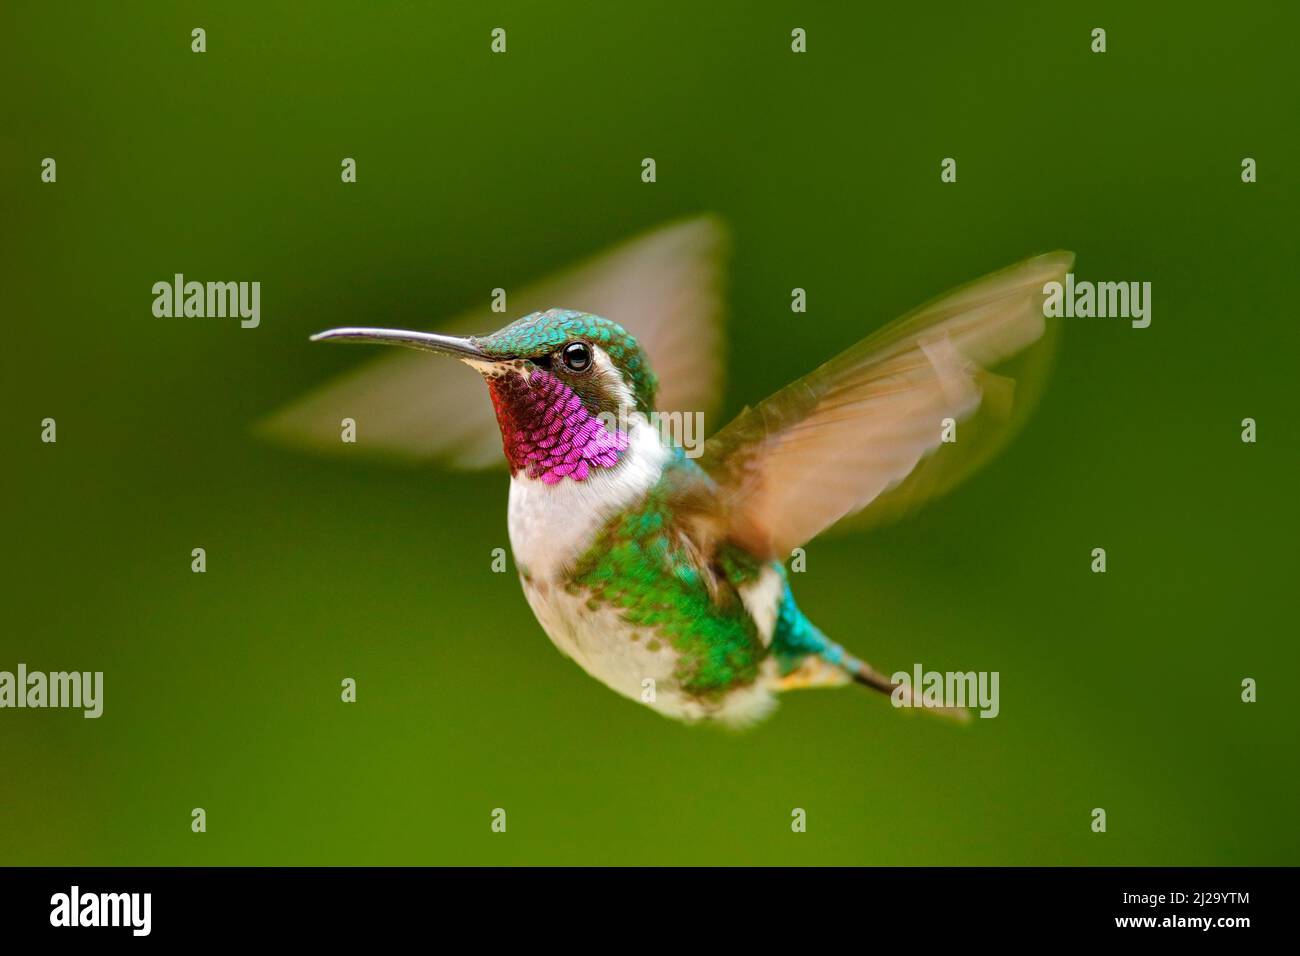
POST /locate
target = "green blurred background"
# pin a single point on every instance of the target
(475, 171)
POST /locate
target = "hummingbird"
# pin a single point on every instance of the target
(658, 569)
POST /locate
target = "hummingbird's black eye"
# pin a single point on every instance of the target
(577, 356)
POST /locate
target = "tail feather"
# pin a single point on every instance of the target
(864, 675)
(809, 658)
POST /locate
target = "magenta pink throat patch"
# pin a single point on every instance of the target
(546, 430)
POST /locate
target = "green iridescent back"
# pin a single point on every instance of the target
(542, 332)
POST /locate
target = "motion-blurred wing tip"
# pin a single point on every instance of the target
(1058, 260)
(280, 428)
(708, 227)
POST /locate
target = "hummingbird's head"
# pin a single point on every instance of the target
(565, 386)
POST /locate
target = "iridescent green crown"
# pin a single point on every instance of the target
(543, 332)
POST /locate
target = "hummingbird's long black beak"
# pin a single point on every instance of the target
(425, 341)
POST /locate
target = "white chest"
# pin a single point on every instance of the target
(551, 526)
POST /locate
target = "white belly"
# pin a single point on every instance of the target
(551, 526)
(634, 662)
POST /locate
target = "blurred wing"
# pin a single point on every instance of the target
(665, 287)
(862, 435)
